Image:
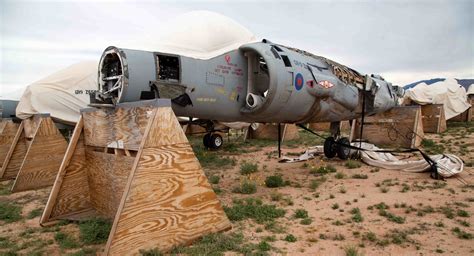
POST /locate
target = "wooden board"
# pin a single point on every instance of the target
(166, 206)
(43, 157)
(398, 127)
(8, 130)
(433, 117)
(14, 158)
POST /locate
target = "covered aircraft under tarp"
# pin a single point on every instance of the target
(62, 94)
(443, 91)
(198, 34)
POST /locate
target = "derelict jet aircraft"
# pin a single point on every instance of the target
(258, 82)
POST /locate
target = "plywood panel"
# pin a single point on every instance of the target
(108, 175)
(70, 192)
(43, 158)
(8, 131)
(167, 206)
(120, 127)
(166, 129)
(15, 156)
(398, 127)
(433, 117)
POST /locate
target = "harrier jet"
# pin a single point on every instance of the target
(212, 68)
(258, 82)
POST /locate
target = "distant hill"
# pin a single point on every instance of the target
(463, 82)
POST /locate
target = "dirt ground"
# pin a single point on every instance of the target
(350, 211)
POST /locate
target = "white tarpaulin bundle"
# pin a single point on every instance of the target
(61, 94)
(448, 164)
(199, 34)
(447, 92)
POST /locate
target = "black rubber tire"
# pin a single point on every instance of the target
(343, 152)
(206, 140)
(329, 147)
(216, 141)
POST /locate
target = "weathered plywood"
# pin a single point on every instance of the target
(70, 192)
(166, 206)
(8, 130)
(433, 117)
(43, 158)
(120, 128)
(108, 175)
(398, 127)
(159, 196)
(14, 158)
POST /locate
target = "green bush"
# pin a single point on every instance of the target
(247, 187)
(301, 214)
(248, 168)
(95, 231)
(65, 241)
(251, 208)
(352, 164)
(214, 179)
(290, 238)
(322, 170)
(10, 212)
(274, 181)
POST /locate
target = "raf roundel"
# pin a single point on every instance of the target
(299, 81)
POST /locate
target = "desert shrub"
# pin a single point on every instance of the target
(246, 187)
(65, 241)
(252, 208)
(214, 179)
(274, 181)
(248, 168)
(301, 214)
(95, 231)
(10, 212)
(352, 164)
(290, 238)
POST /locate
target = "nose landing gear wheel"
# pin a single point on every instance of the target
(212, 141)
(330, 147)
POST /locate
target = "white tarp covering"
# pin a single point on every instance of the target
(199, 34)
(447, 92)
(59, 94)
(447, 164)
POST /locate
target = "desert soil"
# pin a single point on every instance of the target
(422, 212)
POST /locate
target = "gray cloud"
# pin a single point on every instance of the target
(403, 40)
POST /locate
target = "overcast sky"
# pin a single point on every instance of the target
(404, 41)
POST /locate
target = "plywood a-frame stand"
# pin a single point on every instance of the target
(434, 120)
(398, 127)
(35, 154)
(133, 164)
(8, 130)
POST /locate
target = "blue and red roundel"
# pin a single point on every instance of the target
(299, 81)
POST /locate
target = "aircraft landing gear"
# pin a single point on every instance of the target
(333, 147)
(212, 140)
